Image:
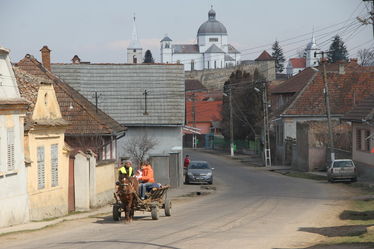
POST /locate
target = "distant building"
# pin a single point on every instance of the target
(310, 59)
(134, 50)
(211, 51)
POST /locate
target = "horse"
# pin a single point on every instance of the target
(127, 193)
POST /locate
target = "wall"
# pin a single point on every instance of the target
(301, 156)
(168, 139)
(364, 157)
(82, 182)
(13, 185)
(214, 79)
(161, 170)
(105, 180)
(50, 201)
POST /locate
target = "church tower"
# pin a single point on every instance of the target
(311, 60)
(166, 52)
(134, 50)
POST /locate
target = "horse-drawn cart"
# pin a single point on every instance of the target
(155, 199)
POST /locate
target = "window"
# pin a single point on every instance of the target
(358, 139)
(10, 149)
(213, 39)
(215, 64)
(134, 50)
(54, 164)
(167, 45)
(41, 171)
(134, 60)
(178, 62)
(367, 140)
(192, 65)
(208, 64)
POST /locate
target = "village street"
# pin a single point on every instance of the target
(251, 208)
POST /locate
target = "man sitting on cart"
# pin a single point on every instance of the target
(125, 170)
(147, 180)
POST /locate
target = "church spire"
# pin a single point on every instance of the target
(134, 37)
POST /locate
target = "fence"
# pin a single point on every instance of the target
(240, 146)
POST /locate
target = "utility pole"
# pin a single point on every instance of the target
(194, 120)
(231, 124)
(371, 13)
(145, 93)
(97, 96)
(267, 152)
(327, 104)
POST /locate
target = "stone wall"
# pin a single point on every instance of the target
(214, 79)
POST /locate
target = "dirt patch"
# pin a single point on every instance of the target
(338, 231)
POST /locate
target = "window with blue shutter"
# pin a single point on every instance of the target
(10, 149)
(54, 164)
(41, 169)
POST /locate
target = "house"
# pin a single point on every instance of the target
(203, 114)
(47, 170)
(13, 178)
(301, 98)
(91, 138)
(362, 118)
(147, 98)
(295, 66)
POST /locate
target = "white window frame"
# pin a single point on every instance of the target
(11, 166)
(41, 167)
(54, 165)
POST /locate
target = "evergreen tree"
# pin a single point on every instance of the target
(278, 57)
(338, 51)
(148, 57)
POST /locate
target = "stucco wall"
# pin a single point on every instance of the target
(50, 201)
(105, 181)
(360, 156)
(82, 182)
(13, 185)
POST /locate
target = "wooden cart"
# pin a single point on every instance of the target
(156, 200)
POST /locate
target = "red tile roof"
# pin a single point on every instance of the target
(298, 62)
(206, 111)
(362, 111)
(295, 83)
(344, 90)
(264, 56)
(76, 109)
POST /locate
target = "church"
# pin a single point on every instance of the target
(311, 58)
(211, 51)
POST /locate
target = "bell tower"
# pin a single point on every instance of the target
(134, 50)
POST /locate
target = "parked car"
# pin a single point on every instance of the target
(342, 169)
(199, 172)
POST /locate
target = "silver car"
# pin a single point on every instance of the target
(199, 172)
(342, 169)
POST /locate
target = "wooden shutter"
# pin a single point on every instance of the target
(10, 149)
(41, 168)
(54, 164)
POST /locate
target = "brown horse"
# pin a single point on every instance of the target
(127, 193)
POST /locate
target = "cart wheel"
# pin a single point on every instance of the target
(116, 213)
(154, 213)
(167, 207)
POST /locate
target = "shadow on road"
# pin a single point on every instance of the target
(119, 242)
(339, 246)
(109, 219)
(356, 215)
(338, 231)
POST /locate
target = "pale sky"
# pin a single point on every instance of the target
(100, 30)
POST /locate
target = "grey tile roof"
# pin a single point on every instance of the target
(214, 49)
(121, 90)
(229, 58)
(185, 48)
(232, 50)
(166, 38)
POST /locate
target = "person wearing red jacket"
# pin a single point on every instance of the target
(146, 179)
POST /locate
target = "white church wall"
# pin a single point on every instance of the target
(215, 60)
(186, 59)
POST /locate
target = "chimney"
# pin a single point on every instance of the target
(341, 69)
(46, 57)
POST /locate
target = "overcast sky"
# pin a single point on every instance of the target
(100, 30)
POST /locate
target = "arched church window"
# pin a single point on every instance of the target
(167, 45)
(192, 65)
(134, 50)
(215, 64)
(134, 60)
(208, 64)
(213, 39)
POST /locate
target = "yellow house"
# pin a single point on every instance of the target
(45, 150)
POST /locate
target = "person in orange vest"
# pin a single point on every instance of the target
(146, 179)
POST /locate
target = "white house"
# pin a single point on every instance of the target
(211, 51)
(13, 179)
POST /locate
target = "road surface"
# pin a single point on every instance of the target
(251, 208)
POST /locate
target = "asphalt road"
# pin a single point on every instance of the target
(251, 208)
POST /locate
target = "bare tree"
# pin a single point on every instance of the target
(366, 57)
(138, 147)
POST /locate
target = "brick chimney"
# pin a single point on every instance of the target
(46, 57)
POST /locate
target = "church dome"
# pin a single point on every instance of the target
(212, 26)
